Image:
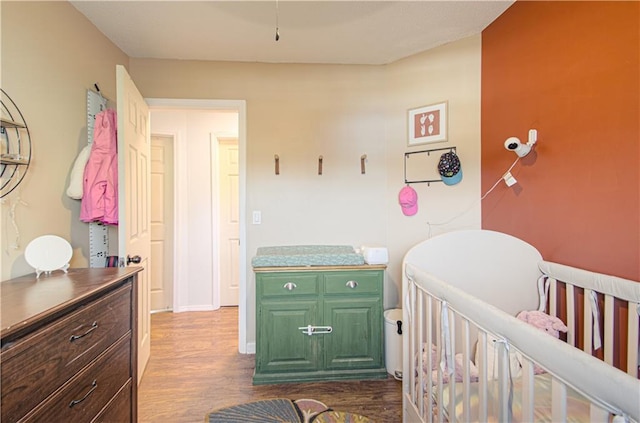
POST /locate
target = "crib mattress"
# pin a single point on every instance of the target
(307, 255)
(577, 406)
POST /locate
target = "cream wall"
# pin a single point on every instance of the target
(50, 56)
(451, 73)
(295, 111)
(298, 112)
(340, 112)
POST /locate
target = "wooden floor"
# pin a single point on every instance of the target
(195, 367)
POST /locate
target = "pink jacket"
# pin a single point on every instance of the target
(100, 182)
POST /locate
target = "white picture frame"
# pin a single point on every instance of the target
(427, 124)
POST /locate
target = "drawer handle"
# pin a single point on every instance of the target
(290, 286)
(93, 327)
(94, 385)
(352, 284)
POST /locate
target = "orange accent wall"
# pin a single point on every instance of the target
(571, 71)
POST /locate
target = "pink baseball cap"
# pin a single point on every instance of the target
(408, 199)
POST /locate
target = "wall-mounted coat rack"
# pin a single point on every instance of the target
(409, 157)
(363, 161)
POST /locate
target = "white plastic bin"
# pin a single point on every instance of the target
(393, 341)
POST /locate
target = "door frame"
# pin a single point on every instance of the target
(179, 167)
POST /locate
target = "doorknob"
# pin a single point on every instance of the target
(134, 259)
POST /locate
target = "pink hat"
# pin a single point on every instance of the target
(408, 199)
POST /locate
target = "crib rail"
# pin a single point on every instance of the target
(607, 318)
(448, 318)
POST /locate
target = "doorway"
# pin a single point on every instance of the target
(228, 216)
(196, 279)
(162, 221)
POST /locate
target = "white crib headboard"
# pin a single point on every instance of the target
(485, 264)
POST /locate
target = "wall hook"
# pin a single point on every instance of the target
(320, 165)
(277, 159)
(103, 101)
(363, 159)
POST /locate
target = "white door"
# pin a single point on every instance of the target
(134, 197)
(229, 220)
(161, 223)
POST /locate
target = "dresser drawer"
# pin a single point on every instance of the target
(35, 366)
(287, 284)
(119, 409)
(353, 283)
(91, 390)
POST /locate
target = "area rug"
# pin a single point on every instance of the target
(282, 410)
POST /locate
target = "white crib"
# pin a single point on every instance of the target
(463, 290)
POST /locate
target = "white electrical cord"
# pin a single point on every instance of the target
(12, 217)
(429, 224)
(498, 181)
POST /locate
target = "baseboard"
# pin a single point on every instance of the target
(204, 307)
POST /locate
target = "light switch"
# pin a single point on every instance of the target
(257, 217)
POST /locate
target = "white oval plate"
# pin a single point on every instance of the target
(48, 252)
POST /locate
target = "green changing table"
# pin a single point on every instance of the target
(317, 321)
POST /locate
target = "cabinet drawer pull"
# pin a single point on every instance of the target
(94, 385)
(290, 286)
(93, 327)
(352, 284)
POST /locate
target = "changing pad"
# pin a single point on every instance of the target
(307, 255)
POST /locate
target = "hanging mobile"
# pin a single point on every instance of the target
(277, 16)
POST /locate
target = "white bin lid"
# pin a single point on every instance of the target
(393, 315)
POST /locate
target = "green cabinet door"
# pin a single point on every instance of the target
(356, 337)
(281, 345)
(353, 308)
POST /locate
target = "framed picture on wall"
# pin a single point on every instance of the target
(428, 124)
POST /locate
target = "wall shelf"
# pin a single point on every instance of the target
(6, 123)
(15, 146)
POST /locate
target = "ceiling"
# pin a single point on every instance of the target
(327, 31)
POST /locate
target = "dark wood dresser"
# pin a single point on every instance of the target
(69, 346)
